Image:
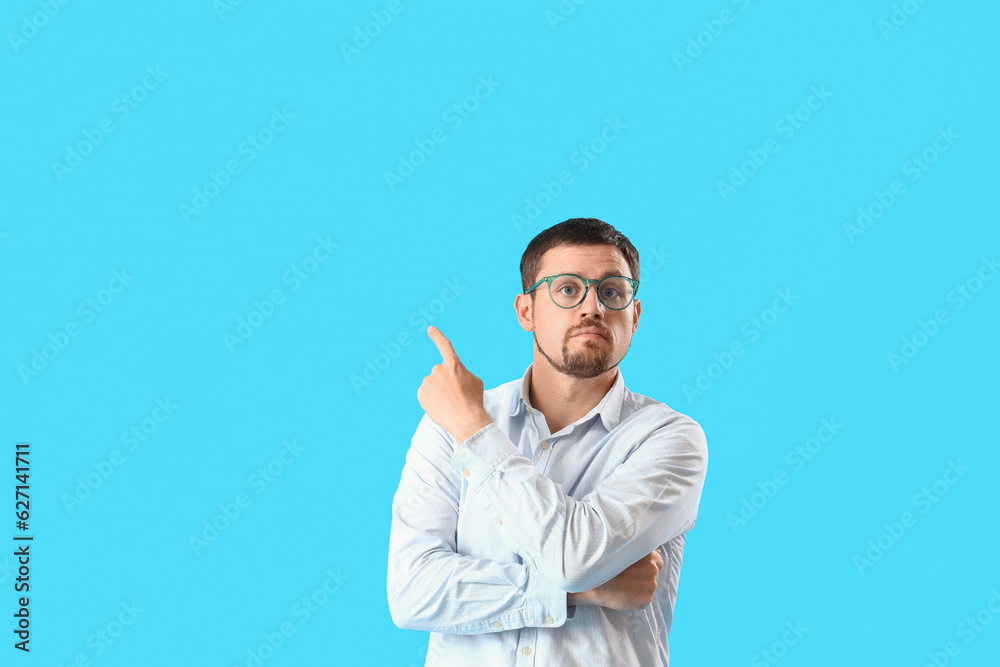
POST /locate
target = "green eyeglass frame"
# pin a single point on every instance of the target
(586, 287)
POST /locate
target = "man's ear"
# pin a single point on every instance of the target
(635, 319)
(525, 311)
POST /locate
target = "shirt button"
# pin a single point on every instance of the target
(496, 624)
(526, 650)
(465, 471)
(549, 619)
(499, 520)
(545, 444)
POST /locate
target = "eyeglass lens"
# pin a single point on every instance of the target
(614, 292)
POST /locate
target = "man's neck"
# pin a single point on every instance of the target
(563, 399)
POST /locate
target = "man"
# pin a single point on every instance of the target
(542, 522)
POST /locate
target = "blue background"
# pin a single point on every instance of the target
(696, 94)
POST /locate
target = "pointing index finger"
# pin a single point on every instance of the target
(444, 345)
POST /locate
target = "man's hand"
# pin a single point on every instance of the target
(633, 588)
(452, 396)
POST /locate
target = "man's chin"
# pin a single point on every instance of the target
(586, 368)
(583, 373)
(587, 362)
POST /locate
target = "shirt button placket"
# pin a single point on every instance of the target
(528, 644)
(542, 455)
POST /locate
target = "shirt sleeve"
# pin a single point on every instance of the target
(430, 586)
(650, 498)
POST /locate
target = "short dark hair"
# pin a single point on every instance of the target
(575, 231)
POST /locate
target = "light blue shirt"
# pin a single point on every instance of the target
(486, 540)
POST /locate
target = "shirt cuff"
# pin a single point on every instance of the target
(479, 456)
(546, 603)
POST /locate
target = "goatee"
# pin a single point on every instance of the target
(594, 358)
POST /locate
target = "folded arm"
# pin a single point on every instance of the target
(650, 498)
(429, 585)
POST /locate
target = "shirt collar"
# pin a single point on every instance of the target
(609, 408)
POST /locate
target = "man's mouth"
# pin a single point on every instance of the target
(589, 334)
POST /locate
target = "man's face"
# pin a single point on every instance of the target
(556, 330)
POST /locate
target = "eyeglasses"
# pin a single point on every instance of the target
(568, 290)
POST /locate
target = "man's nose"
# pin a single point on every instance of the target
(591, 305)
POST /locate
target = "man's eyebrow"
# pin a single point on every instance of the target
(606, 274)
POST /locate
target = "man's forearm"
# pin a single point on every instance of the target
(580, 543)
